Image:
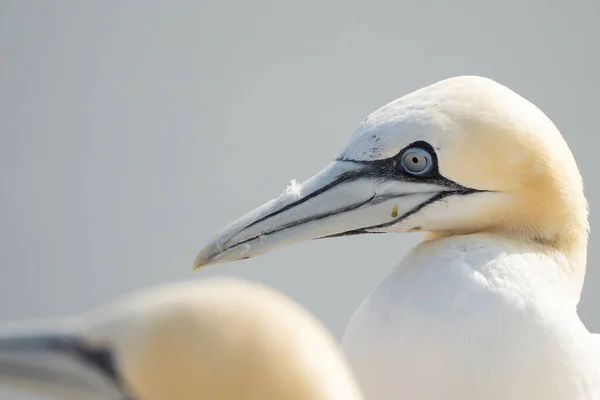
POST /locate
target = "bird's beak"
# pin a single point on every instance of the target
(346, 198)
(58, 364)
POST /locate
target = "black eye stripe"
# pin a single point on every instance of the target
(387, 168)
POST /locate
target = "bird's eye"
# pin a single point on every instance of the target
(416, 161)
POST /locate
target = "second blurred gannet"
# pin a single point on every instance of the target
(486, 306)
(217, 339)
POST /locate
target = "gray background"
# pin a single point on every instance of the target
(131, 131)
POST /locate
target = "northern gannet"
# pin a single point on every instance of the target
(486, 306)
(217, 339)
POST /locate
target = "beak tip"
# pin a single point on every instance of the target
(203, 259)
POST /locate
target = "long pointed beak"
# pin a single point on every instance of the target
(343, 199)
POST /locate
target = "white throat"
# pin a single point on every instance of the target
(463, 315)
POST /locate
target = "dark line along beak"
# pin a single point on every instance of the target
(346, 198)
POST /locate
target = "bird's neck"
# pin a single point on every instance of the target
(544, 219)
(525, 261)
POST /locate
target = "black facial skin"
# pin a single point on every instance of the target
(391, 169)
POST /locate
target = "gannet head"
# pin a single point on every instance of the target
(223, 339)
(463, 155)
(214, 339)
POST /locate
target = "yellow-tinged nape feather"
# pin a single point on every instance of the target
(490, 138)
(224, 339)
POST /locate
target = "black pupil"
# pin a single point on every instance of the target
(415, 159)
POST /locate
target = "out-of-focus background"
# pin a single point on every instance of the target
(130, 132)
